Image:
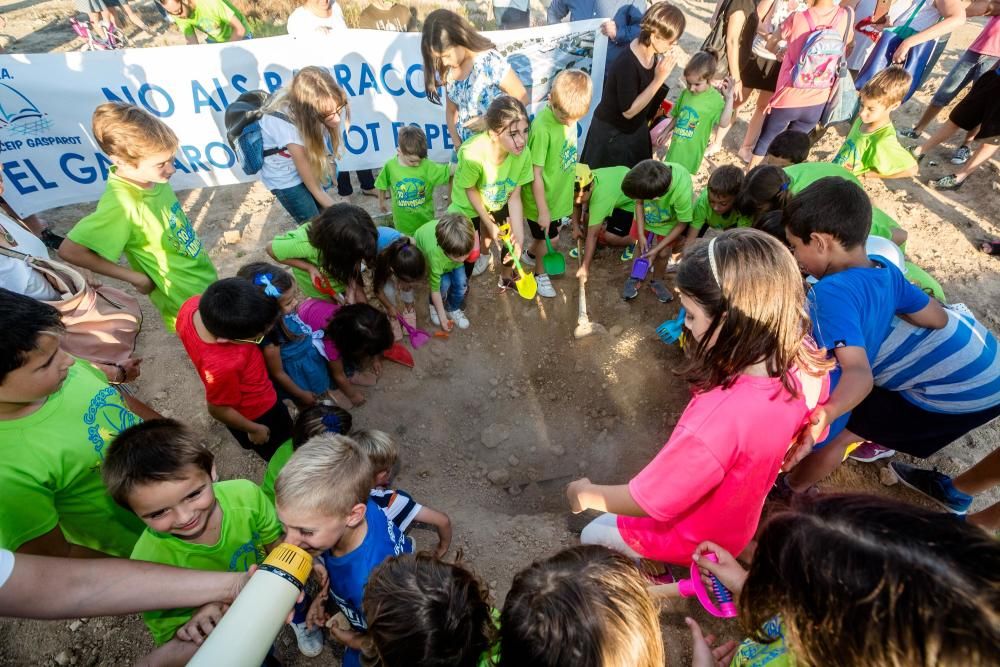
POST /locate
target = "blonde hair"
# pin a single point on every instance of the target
(328, 474)
(455, 234)
(888, 87)
(379, 446)
(311, 97)
(129, 133)
(572, 90)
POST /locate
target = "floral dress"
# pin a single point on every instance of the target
(473, 94)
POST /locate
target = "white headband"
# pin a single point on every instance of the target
(711, 261)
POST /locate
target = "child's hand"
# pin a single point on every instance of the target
(577, 233)
(356, 398)
(447, 325)
(317, 617)
(641, 244)
(202, 623)
(730, 573)
(704, 654)
(574, 494)
(143, 284)
(383, 206)
(377, 366)
(582, 273)
(260, 435)
(819, 421)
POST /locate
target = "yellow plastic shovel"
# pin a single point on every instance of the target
(526, 285)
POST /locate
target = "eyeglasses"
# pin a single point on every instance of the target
(335, 113)
(254, 341)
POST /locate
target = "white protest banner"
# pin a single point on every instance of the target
(49, 157)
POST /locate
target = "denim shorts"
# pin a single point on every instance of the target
(298, 201)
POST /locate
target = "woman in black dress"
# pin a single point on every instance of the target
(633, 90)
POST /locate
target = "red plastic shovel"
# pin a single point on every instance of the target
(399, 354)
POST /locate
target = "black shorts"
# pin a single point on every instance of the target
(887, 418)
(980, 107)
(619, 222)
(538, 234)
(278, 421)
(499, 217)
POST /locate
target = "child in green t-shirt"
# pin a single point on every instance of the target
(716, 205)
(600, 206)
(409, 179)
(492, 167)
(165, 475)
(218, 20)
(139, 215)
(57, 416)
(326, 253)
(663, 207)
(447, 245)
(872, 149)
(553, 155)
(698, 110)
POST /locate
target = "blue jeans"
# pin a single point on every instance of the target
(299, 202)
(510, 18)
(968, 69)
(365, 178)
(454, 286)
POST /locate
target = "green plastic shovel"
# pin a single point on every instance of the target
(525, 283)
(554, 262)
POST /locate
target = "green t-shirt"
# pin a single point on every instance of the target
(495, 182)
(150, 227)
(695, 116)
(674, 207)
(438, 263)
(606, 194)
(751, 653)
(412, 191)
(274, 466)
(211, 17)
(552, 146)
(703, 213)
(249, 523)
(295, 245)
(805, 174)
(878, 151)
(51, 472)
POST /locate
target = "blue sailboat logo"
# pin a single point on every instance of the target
(19, 115)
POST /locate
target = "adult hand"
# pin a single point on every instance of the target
(729, 572)
(573, 494)
(610, 29)
(664, 66)
(899, 56)
(259, 435)
(704, 655)
(737, 87)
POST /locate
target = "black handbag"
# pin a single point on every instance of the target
(716, 40)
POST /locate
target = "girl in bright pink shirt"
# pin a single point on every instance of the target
(756, 377)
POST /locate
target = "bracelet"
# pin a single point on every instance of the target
(122, 374)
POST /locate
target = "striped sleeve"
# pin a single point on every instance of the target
(397, 505)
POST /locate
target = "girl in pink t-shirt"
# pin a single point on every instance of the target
(755, 376)
(800, 108)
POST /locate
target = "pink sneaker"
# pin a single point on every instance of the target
(869, 452)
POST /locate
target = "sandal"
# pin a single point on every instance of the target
(574, 253)
(370, 193)
(660, 290)
(949, 182)
(989, 246)
(631, 289)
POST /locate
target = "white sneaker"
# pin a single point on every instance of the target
(434, 316)
(544, 285)
(482, 263)
(310, 641)
(459, 318)
(527, 259)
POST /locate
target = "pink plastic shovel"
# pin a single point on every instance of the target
(418, 337)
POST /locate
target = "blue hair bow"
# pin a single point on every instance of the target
(264, 280)
(332, 423)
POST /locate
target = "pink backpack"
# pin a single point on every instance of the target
(821, 55)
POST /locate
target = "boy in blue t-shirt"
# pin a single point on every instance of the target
(322, 498)
(852, 306)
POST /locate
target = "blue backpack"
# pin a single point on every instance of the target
(243, 130)
(821, 55)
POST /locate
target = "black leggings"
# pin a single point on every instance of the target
(499, 217)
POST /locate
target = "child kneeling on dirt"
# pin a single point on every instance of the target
(663, 207)
(447, 244)
(756, 378)
(600, 206)
(552, 149)
(397, 504)
(323, 501)
(163, 473)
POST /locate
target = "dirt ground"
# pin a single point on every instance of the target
(515, 398)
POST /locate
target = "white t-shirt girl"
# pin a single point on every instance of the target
(279, 172)
(303, 23)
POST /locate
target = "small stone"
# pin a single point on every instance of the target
(582, 465)
(514, 490)
(231, 236)
(62, 658)
(616, 330)
(558, 450)
(493, 435)
(513, 461)
(159, 396)
(75, 625)
(500, 476)
(887, 477)
(494, 381)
